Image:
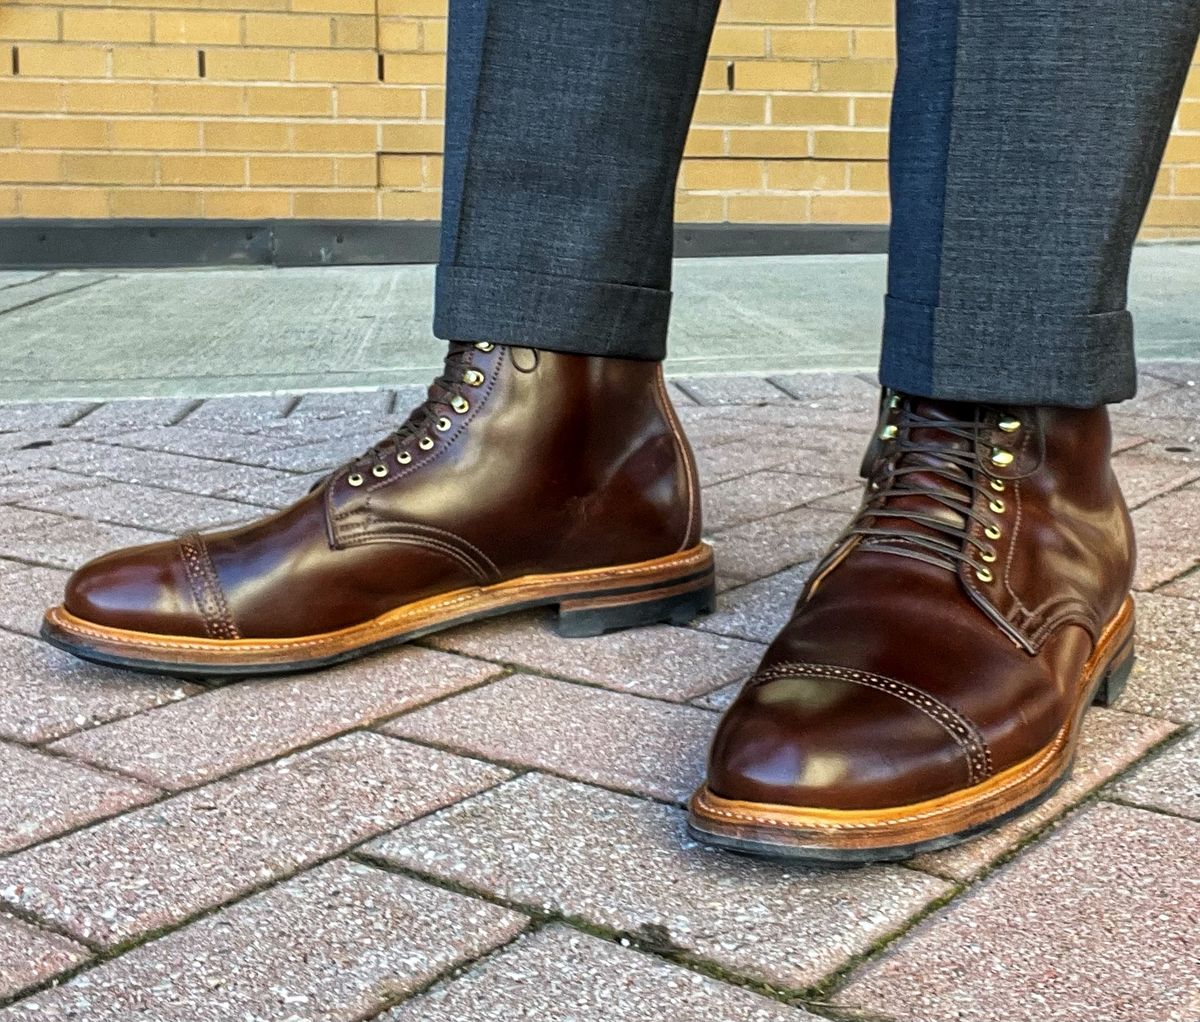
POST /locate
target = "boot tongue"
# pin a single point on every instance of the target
(920, 444)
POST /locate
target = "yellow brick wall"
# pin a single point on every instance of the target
(333, 108)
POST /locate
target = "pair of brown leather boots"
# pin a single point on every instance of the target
(930, 684)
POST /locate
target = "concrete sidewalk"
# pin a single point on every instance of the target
(198, 333)
(487, 825)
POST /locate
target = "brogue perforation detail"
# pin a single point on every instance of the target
(206, 588)
(974, 748)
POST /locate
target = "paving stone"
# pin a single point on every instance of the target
(45, 693)
(333, 404)
(619, 741)
(160, 864)
(758, 549)
(1170, 781)
(1182, 400)
(1110, 742)
(561, 975)
(831, 390)
(367, 938)
(38, 482)
(1179, 371)
(679, 397)
(1166, 677)
(721, 699)
(249, 483)
(233, 412)
(43, 796)
(1178, 434)
(29, 955)
(25, 593)
(279, 490)
(234, 726)
(1165, 528)
(137, 413)
(1097, 923)
(1186, 586)
(147, 507)
(623, 863)
(1145, 476)
(60, 542)
(249, 448)
(663, 661)
(321, 455)
(42, 414)
(760, 495)
(732, 390)
(758, 610)
(737, 459)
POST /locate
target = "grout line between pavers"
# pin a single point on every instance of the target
(516, 668)
(623, 938)
(103, 955)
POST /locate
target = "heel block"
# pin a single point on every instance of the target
(1115, 677)
(584, 617)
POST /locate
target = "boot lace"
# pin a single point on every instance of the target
(447, 397)
(922, 497)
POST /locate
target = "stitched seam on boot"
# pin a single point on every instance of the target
(689, 466)
(206, 588)
(964, 733)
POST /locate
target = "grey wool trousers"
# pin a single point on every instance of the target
(1025, 140)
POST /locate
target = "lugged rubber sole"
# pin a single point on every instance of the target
(672, 589)
(832, 836)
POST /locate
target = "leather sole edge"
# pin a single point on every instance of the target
(831, 836)
(590, 602)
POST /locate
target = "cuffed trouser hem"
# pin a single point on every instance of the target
(580, 317)
(1008, 357)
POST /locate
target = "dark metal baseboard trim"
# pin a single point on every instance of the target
(58, 244)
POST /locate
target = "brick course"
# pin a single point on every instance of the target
(166, 110)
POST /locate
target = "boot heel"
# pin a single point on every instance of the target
(1116, 674)
(675, 604)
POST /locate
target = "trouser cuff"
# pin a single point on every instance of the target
(582, 317)
(1000, 356)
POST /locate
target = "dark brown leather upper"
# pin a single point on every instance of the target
(555, 463)
(903, 675)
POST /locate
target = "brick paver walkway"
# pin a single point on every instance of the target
(487, 825)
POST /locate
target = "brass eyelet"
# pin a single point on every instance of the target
(984, 574)
(894, 402)
(996, 506)
(473, 378)
(991, 531)
(443, 424)
(379, 471)
(485, 345)
(888, 432)
(998, 485)
(1002, 457)
(404, 457)
(1009, 425)
(425, 443)
(987, 556)
(460, 404)
(354, 479)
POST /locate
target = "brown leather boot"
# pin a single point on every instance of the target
(527, 478)
(934, 674)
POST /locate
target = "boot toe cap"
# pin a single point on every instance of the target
(828, 743)
(142, 589)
